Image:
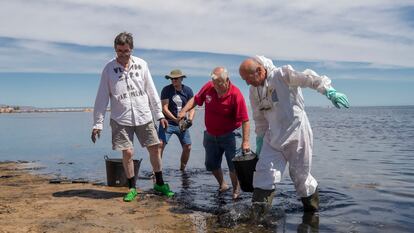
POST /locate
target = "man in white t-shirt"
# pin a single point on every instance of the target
(127, 83)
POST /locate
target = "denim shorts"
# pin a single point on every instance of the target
(215, 146)
(165, 134)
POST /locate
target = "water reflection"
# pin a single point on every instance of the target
(242, 217)
(195, 195)
(185, 180)
(310, 223)
(228, 215)
(239, 219)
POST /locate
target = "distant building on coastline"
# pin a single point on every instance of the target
(8, 109)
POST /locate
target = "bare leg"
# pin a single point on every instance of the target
(235, 184)
(161, 147)
(155, 157)
(128, 162)
(219, 177)
(185, 156)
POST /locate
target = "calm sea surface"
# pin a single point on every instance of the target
(363, 161)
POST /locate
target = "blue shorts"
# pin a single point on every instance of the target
(215, 146)
(165, 134)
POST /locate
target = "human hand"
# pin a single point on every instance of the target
(177, 120)
(164, 123)
(189, 123)
(184, 124)
(181, 115)
(95, 132)
(245, 147)
(338, 99)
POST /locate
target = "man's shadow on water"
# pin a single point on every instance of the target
(88, 193)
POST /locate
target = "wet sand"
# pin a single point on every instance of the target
(29, 203)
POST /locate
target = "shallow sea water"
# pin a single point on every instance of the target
(363, 161)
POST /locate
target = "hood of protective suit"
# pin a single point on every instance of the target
(266, 62)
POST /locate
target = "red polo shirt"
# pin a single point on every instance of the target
(222, 114)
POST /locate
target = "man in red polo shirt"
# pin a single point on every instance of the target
(227, 125)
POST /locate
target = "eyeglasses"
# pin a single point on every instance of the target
(126, 51)
(219, 82)
(173, 79)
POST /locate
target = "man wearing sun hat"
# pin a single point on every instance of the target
(173, 98)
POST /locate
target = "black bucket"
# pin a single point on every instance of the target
(115, 174)
(245, 166)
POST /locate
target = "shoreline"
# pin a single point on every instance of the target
(29, 203)
(10, 110)
(17, 109)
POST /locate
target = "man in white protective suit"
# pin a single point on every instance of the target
(283, 131)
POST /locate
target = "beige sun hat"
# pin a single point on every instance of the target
(175, 74)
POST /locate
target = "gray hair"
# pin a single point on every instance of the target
(124, 38)
(224, 74)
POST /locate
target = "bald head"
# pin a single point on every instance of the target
(248, 66)
(252, 72)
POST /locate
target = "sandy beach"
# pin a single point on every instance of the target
(29, 203)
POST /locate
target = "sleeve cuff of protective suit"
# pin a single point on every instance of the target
(260, 134)
(330, 92)
(98, 126)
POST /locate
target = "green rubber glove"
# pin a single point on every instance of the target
(337, 98)
(259, 144)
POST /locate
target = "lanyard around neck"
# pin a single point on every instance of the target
(264, 91)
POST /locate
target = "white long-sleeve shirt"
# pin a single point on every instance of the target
(285, 120)
(134, 99)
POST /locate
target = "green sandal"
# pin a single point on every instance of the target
(164, 189)
(131, 195)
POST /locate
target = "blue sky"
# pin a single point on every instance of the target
(52, 52)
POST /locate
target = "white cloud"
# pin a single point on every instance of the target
(372, 31)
